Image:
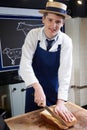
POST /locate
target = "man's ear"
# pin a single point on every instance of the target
(63, 24)
(43, 19)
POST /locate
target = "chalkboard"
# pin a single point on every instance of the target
(13, 31)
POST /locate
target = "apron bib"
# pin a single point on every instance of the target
(45, 65)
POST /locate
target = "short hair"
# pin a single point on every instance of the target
(45, 14)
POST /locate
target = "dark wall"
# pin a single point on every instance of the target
(78, 10)
(32, 4)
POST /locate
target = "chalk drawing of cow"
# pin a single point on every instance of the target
(22, 26)
(12, 54)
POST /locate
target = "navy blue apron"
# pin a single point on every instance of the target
(45, 65)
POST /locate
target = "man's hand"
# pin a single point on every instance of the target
(61, 110)
(39, 96)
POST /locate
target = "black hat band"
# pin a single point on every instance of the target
(56, 10)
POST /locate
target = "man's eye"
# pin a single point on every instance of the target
(58, 22)
(50, 20)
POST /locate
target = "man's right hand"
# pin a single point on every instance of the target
(39, 96)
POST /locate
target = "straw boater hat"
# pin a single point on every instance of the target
(57, 8)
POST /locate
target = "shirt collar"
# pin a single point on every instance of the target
(55, 38)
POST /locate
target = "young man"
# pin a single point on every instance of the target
(47, 71)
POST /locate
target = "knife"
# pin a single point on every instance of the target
(55, 116)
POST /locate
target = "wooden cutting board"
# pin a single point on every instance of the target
(33, 121)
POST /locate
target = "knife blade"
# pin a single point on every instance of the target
(55, 116)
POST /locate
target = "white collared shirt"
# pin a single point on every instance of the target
(64, 72)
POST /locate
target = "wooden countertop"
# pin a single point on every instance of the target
(33, 121)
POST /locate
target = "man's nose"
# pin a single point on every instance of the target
(54, 24)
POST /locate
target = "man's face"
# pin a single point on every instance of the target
(53, 24)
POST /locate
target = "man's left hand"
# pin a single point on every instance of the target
(62, 111)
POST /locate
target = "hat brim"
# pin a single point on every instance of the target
(48, 11)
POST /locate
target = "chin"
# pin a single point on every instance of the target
(52, 36)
